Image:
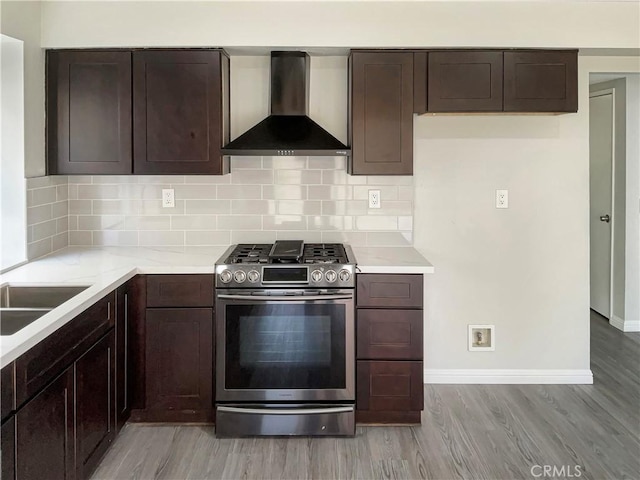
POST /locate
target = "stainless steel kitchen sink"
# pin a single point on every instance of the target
(37, 296)
(13, 320)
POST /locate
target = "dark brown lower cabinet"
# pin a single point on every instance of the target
(389, 391)
(94, 404)
(8, 448)
(179, 364)
(44, 432)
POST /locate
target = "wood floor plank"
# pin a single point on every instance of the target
(494, 432)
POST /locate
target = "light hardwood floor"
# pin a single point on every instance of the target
(467, 431)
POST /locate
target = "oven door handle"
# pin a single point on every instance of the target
(286, 411)
(282, 298)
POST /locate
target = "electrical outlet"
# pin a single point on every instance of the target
(374, 198)
(502, 198)
(168, 198)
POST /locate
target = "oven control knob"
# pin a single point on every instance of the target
(225, 276)
(331, 276)
(239, 276)
(316, 276)
(344, 275)
(253, 276)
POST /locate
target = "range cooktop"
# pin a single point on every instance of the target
(286, 263)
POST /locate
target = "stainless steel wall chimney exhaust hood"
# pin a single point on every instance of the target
(288, 130)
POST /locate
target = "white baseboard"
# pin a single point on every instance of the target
(504, 376)
(625, 325)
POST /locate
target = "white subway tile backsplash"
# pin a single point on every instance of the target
(250, 192)
(191, 191)
(252, 177)
(100, 222)
(208, 237)
(248, 207)
(42, 196)
(262, 200)
(151, 238)
(39, 248)
(80, 207)
(253, 236)
(154, 207)
(193, 222)
(240, 222)
(150, 222)
(80, 237)
(327, 163)
(373, 223)
(330, 192)
(299, 207)
(44, 230)
(285, 222)
(60, 209)
(39, 214)
(207, 206)
(98, 191)
(112, 238)
(285, 192)
(298, 177)
(60, 240)
(113, 207)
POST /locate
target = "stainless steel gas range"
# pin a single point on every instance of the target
(285, 343)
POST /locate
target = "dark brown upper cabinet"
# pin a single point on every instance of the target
(173, 120)
(541, 81)
(89, 112)
(465, 81)
(180, 111)
(381, 116)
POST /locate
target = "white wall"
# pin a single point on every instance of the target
(342, 24)
(12, 185)
(632, 255)
(21, 20)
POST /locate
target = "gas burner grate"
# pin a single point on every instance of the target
(250, 253)
(324, 253)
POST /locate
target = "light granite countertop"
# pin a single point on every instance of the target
(103, 269)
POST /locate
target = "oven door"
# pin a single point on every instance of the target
(282, 347)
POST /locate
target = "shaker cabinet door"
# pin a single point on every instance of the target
(465, 81)
(44, 432)
(381, 117)
(541, 81)
(89, 112)
(178, 107)
(95, 408)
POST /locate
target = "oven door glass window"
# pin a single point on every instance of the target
(285, 346)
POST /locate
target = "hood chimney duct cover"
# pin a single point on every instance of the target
(288, 130)
(289, 83)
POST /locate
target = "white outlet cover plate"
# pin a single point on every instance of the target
(502, 198)
(374, 198)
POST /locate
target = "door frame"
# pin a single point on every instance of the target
(601, 93)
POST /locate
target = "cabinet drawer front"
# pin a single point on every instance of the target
(541, 81)
(389, 334)
(465, 81)
(179, 290)
(52, 355)
(389, 386)
(397, 290)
